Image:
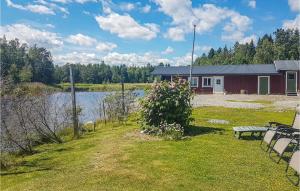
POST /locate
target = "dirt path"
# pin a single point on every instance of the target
(246, 101)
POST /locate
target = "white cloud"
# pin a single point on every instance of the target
(50, 26)
(168, 50)
(76, 57)
(70, 1)
(130, 59)
(53, 6)
(126, 27)
(41, 9)
(204, 48)
(81, 40)
(127, 6)
(86, 13)
(248, 39)
(105, 46)
(62, 1)
(31, 36)
(183, 60)
(294, 5)
(233, 36)
(153, 27)
(175, 33)
(292, 24)
(115, 58)
(252, 4)
(85, 1)
(146, 9)
(206, 17)
(87, 41)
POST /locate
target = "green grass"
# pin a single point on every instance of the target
(117, 157)
(105, 87)
(264, 102)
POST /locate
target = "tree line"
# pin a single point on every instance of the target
(283, 45)
(103, 73)
(21, 63)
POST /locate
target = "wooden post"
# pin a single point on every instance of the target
(74, 116)
(123, 99)
(103, 108)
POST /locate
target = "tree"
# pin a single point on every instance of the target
(264, 52)
(13, 73)
(41, 62)
(26, 74)
(211, 53)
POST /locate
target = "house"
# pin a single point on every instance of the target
(281, 77)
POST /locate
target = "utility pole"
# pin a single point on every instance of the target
(191, 67)
(74, 114)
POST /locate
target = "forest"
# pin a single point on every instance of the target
(23, 63)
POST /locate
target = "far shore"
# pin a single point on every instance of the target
(104, 87)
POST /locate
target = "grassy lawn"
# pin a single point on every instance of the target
(117, 157)
(105, 87)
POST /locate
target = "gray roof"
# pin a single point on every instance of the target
(244, 69)
(287, 65)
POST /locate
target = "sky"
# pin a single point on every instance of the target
(144, 31)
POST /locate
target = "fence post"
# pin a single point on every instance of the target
(74, 116)
(123, 99)
(103, 108)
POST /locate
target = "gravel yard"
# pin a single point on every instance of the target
(247, 101)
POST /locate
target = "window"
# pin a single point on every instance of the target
(291, 76)
(194, 82)
(218, 81)
(206, 82)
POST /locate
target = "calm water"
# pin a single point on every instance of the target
(88, 101)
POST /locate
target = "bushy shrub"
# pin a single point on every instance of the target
(167, 107)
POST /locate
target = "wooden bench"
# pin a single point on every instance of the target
(245, 129)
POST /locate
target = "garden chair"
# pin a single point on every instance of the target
(294, 163)
(282, 144)
(278, 130)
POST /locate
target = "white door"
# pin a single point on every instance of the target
(218, 84)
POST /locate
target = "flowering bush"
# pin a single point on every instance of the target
(167, 107)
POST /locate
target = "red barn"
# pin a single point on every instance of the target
(281, 77)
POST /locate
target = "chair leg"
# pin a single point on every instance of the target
(280, 157)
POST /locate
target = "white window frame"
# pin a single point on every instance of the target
(197, 80)
(258, 84)
(211, 82)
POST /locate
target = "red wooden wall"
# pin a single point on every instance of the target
(233, 84)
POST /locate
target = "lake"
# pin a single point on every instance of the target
(88, 101)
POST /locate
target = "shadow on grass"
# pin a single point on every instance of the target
(201, 130)
(24, 167)
(63, 149)
(251, 137)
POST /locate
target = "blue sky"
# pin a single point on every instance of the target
(138, 32)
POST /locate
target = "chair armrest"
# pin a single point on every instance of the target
(271, 123)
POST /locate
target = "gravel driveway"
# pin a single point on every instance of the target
(279, 102)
